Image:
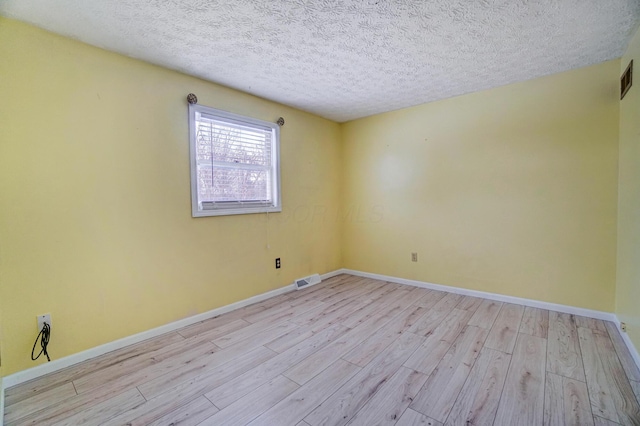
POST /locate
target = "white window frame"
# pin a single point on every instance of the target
(234, 208)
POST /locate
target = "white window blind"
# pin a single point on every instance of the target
(234, 163)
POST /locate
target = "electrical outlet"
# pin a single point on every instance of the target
(42, 319)
(623, 326)
(278, 263)
(414, 257)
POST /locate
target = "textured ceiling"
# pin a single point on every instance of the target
(345, 59)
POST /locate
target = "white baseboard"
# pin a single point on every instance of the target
(1, 402)
(32, 373)
(58, 364)
(50, 367)
(627, 340)
(332, 274)
(607, 316)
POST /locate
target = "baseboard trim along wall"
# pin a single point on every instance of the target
(607, 316)
(58, 364)
(627, 340)
(1, 402)
(40, 370)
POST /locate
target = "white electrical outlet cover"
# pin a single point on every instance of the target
(42, 319)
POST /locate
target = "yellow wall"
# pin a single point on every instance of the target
(95, 213)
(511, 190)
(628, 274)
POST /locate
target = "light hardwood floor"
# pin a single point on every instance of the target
(353, 351)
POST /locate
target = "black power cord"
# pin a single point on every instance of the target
(44, 341)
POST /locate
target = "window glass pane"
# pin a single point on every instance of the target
(221, 143)
(220, 185)
(235, 164)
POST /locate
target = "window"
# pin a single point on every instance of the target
(235, 163)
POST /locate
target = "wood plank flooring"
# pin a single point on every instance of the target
(353, 351)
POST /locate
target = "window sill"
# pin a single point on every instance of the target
(229, 212)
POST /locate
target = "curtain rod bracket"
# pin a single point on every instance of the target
(192, 99)
(280, 121)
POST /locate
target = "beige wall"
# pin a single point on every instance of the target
(95, 213)
(511, 190)
(628, 274)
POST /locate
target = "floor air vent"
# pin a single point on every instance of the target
(305, 282)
